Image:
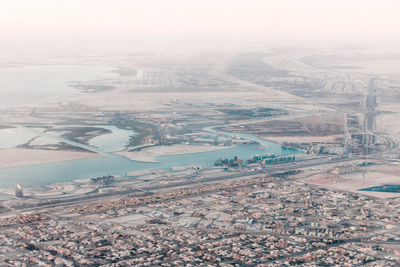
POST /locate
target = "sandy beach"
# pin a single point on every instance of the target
(150, 154)
(14, 157)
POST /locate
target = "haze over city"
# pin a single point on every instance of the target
(199, 133)
(73, 26)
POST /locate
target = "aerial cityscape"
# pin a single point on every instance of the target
(250, 155)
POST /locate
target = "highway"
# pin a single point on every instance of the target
(369, 110)
(190, 180)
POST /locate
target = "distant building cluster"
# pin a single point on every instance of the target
(103, 180)
(235, 162)
(266, 159)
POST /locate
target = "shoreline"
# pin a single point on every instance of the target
(151, 154)
(19, 157)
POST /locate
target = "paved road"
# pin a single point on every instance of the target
(190, 181)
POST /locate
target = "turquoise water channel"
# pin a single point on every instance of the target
(390, 188)
(41, 174)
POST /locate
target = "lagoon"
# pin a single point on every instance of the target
(11, 137)
(114, 141)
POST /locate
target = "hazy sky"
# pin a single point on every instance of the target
(109, 23)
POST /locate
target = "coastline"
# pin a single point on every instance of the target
(17, 157)
(150, 154)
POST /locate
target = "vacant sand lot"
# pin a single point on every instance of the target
(373, 176)
(150, 154)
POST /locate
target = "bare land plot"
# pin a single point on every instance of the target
(151, 153)
(14, 157)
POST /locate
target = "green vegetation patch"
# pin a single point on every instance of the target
(81, 134)
(239, 112)
(255, 113)
(141, 130)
